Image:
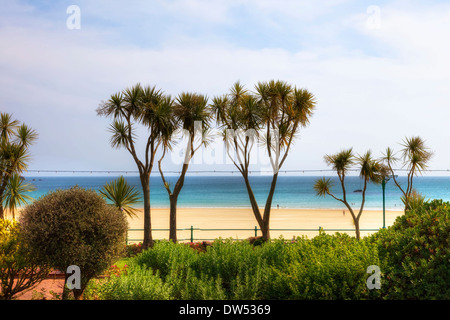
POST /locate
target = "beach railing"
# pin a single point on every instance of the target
(254, 231)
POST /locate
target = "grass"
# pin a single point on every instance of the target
(122, 262)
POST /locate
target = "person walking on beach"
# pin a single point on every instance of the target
(343, 212)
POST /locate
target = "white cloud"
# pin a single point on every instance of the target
(54, 78)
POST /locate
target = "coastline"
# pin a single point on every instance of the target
(224, 219)
(243, 218)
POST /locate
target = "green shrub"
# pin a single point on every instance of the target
(75, 227)
(413, 257)
(142, 283)
(187, 285)
(415, 253)
(326, 267)
(133, 249)
(18, 269)
(166, 256)
(137, 284)
(224, 270)
(241, 267)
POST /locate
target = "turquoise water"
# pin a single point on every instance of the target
(230, 191)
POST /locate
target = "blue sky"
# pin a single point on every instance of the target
(379, 69)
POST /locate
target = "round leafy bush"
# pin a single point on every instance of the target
(415, 253)
(75, 227)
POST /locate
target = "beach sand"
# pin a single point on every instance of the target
(243, 218)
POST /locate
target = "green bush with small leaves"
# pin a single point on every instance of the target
(136, 284)
(415, 253)
(326, 267)
(74, 227)
(18, 270)
(412, 254)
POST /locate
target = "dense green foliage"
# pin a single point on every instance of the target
(122, 195)
(18, 271)
(415, 253)
(413, 257)
(74, 227)
(326, 267)
(15, 142)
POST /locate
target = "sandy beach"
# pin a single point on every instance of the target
(243, 218)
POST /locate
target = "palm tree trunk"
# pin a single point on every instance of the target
(173, 217)
(267, 208)
(254, 204)
(2, 190)
(148, 239)
(265, 230)
(358, 235)
(173, 197)
(355, 219)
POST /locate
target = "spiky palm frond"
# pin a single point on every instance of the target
(323, 186)
(250, 113)
(371, 169)
(191, 108)
(164, 123)
(207, 137)
(15, 140)
(414, 200)
(132, 100)
(285, 108)
(151, 95)
(194, 114)
(7, 126)
(114, 106)
(237, 92)
(303, 106)
(281, 91)
(341, 162)
(13, 158)
(415, 154)
(26, 136)
(149, 100)
(122, 195)
(389, 156)
(218, 108)
(120, 134)
(275, 111)
(16, 193)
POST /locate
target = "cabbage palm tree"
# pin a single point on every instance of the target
(15, 141)
(370, 170)
(191, 114)
(274, 116)
(16, 193)
(122, 195)
(415, 156)
(130, 108)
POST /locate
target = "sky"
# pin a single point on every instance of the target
(380, 71)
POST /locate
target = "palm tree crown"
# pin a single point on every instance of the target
(122, 195)
(15, 141)
(16, 193)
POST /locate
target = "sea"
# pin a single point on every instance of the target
(295, 192)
